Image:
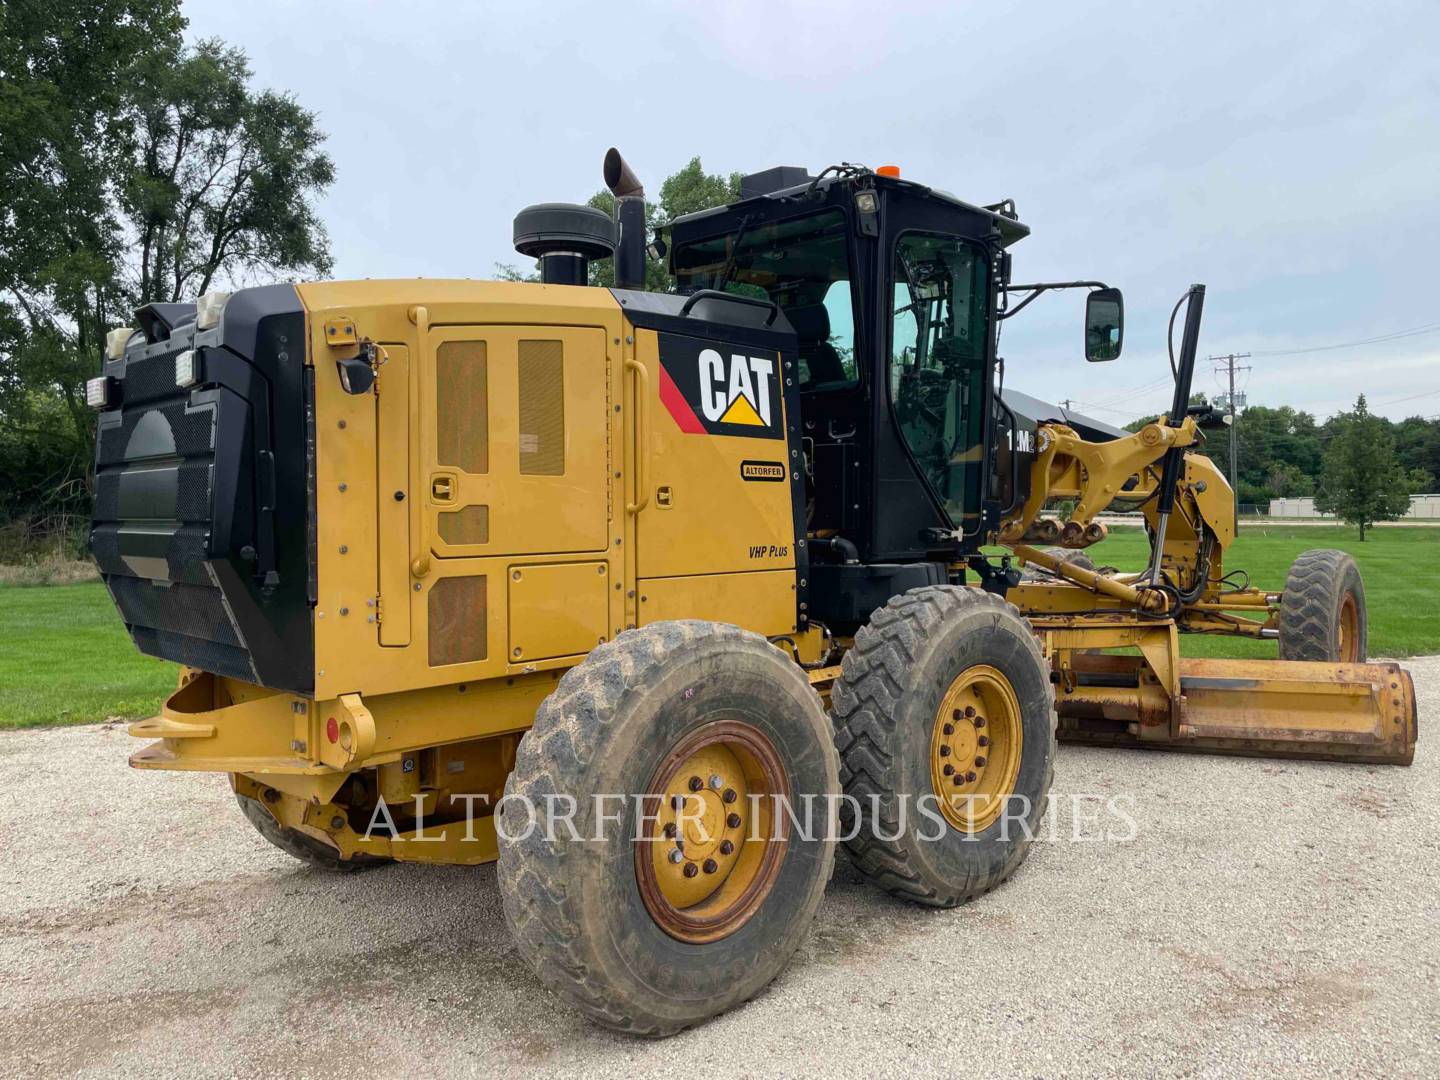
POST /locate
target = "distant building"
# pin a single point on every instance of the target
(1421, 506)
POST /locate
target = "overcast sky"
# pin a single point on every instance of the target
(1286, 154)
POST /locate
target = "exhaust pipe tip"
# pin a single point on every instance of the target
(620, 178)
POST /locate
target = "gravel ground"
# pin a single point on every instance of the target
(1267, 916)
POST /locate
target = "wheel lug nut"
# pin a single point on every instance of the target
(979, 761)
(949, 729)
(983, 740)
(979, 721)
(691, 869)
(733, 820)
(957, 714)
(944, 751)
(730, 795)
(969, 711)
(970, 776)
(959, 779)
(677, 802)
(710, 866)
(696, 783)
(676, 856)
(949, 769)
(670, 831)
(716, 783)
(726, 847)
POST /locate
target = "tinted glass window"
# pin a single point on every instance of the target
(803, 265)
(937, 364)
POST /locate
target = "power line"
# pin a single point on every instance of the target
(1417, 331)
(1410, 397)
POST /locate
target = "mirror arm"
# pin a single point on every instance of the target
(1043, 287)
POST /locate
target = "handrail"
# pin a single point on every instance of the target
(734, 298)
(642, 435)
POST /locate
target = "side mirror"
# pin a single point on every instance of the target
(1104, 325)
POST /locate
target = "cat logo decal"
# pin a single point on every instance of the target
(715, 389)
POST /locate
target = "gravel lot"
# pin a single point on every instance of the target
(1267, 915)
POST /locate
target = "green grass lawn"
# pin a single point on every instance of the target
(1398, 565)
(66, 659)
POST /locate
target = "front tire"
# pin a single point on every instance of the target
(652, 928)
(1322, 610)
(943, 676)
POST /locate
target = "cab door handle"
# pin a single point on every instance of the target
(442, 488)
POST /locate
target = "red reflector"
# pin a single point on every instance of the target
(332, 730)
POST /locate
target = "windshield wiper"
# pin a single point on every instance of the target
(729, 269)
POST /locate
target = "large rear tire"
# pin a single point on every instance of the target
(659, 924)
(1322, 610)
(945, 698)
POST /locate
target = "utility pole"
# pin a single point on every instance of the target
(1230, 368)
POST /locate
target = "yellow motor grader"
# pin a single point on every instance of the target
(656, 597)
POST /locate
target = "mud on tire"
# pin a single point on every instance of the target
(885, 706)
(575, 909)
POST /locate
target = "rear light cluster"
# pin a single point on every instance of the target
(99, 392)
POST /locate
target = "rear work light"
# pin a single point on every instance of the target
(115, 342)
(99, 391)
(209, 308)
(187, 368)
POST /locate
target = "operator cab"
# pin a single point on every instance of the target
(893, 290)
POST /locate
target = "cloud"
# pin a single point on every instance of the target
(1283, 153)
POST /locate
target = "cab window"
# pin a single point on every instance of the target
(937, 364)
(803, 265)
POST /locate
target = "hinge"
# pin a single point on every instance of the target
(340, 331)
(379, 609)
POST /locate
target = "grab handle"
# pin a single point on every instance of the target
(642, 435)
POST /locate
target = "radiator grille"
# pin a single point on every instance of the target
(457, 620)
(470, 525)
(192, 610)
(166, 430)
(462, 422)
(542, 408)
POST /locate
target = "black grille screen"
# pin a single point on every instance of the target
(200, 494)
(193, 610)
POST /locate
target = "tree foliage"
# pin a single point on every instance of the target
(1280, 451)
(1362, 481)
(135, 168)
(684, 192)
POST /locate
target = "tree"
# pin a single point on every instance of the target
(135, 169)
(1417, 445)
(1362, 481)
(683, 192)
(64, 70)
(222, 180)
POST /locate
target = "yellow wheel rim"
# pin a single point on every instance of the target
(714, 841)
(1349, 629)
(975, 748)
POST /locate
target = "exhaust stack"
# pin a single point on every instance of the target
(630, 218)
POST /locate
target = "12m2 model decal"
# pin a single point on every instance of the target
(715, 389)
